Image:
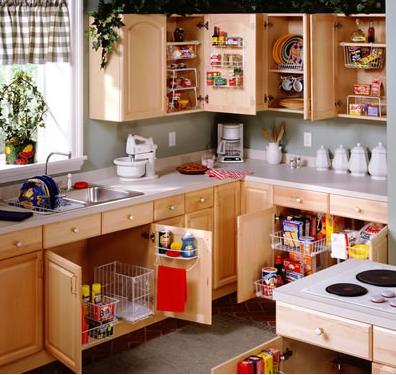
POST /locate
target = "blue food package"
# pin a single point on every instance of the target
(293, 230)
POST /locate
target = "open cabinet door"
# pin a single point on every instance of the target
(323, 66)
(232, 97)
(307, 67)
(198, 307)
(253, 250)
(63, 310)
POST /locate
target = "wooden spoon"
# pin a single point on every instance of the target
(274, 134)
(281, 132)
(266, 134)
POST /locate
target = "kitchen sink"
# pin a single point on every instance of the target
(99, 194)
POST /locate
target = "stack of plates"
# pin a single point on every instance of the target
(292, 103)
(288, 49)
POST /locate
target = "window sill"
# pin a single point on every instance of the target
(10, 173)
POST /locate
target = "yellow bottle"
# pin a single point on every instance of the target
(86, 296)
(96, 296)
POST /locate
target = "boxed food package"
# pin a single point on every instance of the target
(275, 359)
(340, 242)
(268, 362)
(309, 263)
(293, 276)
(369, 231)
(291, 265)
(361, 89)
(320, 226)
(334, 224)
(292, 231)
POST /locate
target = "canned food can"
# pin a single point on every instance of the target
(165, 239)
(245, 367)
(269, 275)
(307, 244)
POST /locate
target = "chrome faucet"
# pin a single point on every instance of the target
(69, 155)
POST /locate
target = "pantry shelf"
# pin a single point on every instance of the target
(182, 89)
(287, 71)
(356, 117)
(373, 45)
(188, 43)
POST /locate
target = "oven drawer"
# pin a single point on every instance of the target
(199, 200)
(384, 346)
(301, 199)
(357, 208)
(328, 331)
(169, 207)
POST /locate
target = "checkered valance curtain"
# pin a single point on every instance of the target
(34, 31)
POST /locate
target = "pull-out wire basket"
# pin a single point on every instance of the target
(363, 56)
(132, 285)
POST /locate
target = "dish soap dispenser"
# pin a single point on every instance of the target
(188, 246)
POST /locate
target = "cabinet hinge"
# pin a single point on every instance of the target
(268, 98)
(337, 25)
(148, 236)
(200, 98)
(267, 24)
(202, 25)
(338, 103)
(207, 99)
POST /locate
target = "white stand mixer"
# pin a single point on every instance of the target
(140, 164)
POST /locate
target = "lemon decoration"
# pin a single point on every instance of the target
(8, 150)
(28, 148)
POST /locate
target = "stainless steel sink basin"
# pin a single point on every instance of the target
(99, 194)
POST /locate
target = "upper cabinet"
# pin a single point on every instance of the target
(133, 84)
(348, 78)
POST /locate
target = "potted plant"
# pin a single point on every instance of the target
(22, 112)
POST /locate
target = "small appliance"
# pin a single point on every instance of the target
(230, 143)
(140, 162)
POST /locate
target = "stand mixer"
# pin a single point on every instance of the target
(140, 164)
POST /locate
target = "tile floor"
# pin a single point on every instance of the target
(257, 310)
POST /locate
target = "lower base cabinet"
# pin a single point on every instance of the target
(21, 293)
(69, 266)
(301, 358)
(378, 368)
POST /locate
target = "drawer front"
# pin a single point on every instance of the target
(327, 331)
(169, 207)
(21, 242)
(199, 200)
(359, 208)
(301, 199)
(384, 346)
(128, 217)
(71, 230)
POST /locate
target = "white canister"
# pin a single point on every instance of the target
(274, 153)
(378, 167)
(130, 169)
(358, 161)
(340, 161)
(322, 161)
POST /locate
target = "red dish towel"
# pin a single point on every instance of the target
(171, 289)
(223, 174)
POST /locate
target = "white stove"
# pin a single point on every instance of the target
(385, 296)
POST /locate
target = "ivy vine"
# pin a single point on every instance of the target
(107, 21)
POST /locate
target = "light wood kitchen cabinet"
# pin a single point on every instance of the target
(21, 293)
(301, 199)
(21, 242)
(177, 221)
(331, 80)
(202, 219)
(168, 207)
(357, 208)
(256, 197)
(384, 348)
(226, 210)
(378, 368)
(324, 330)
(133, 84)
(129, 217)
(71, 230)
(199, 200)
(69, 266)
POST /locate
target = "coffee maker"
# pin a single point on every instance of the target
(230, 143)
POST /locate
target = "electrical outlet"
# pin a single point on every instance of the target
(172, 139)
(307, 139)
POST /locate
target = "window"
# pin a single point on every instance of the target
(61, 85)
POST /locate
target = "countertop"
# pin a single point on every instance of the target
(173, 183)
(294, 294)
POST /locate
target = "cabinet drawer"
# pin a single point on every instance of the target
(128, 217)
(384, 346)
(198, 200)
(71, 230)
(328, 331)
(301, 199)
(168, 207)
(21, 242)
(357, 208)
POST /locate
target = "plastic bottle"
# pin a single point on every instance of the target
(86, 296)
(96, 295)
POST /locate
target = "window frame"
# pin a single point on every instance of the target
(9, 173)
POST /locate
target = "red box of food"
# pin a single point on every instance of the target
(293, 266)
(362, 89)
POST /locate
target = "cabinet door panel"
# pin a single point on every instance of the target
(233, 99)
(226, 210)
(256, 197)
(21, 292)
(202, 220)
(254, 250)
(323, 59)
(63, 310)
(144, 66)
(199, 275)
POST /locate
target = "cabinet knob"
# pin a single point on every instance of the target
(131, 217)
(172, 207)
(358, 210)
(299, 200)
(75, 230)
(318, 331)
(18, 244)
(202, 200)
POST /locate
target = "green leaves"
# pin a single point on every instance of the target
(107, 20)
(22, 108)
